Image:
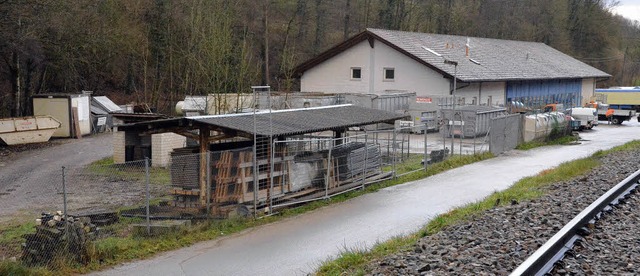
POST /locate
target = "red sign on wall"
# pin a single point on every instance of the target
(423, 100)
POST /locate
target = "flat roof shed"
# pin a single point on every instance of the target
(275, 124)
(279, 123)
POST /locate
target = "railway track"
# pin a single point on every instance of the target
(550, 258)
(502, 238)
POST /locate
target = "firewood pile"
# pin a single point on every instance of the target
(57, 238)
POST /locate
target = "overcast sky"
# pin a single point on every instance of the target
(629, 9)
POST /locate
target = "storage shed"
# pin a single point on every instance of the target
(102, 109)
(72, 110)
(229, 139)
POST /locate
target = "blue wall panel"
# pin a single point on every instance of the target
(539, 93)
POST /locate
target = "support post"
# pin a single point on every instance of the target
(146, 172)
(204, 144)
(328, 176)
(208, 181)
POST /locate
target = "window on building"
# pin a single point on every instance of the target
(389, 74)
(356, 73)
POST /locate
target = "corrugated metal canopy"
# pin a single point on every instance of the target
(106, 104)
(300, 121)
(283, 122)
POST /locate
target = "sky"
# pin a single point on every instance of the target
(629, 9)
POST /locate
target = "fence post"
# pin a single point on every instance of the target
(426, 155)
(393, 148)
(366, 156)
(255, 177)
(271, 169)
(64, 205)
(327, 177)
(444, 137)
(208, 185)
(475, 132)
(146, 170)
(461, 131)
(409, 142)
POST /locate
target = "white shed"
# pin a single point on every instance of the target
(72, 110)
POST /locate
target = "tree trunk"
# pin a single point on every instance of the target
(320, 25)
(266, 43)
(347, 12)
(17, 93)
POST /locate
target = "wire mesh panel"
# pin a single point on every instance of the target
(314, 168)
(188, 186)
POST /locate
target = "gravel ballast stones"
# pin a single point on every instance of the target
(497, 241)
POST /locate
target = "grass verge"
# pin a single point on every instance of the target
(133, 171)
(353, 262)
(564, 140)
(121, 246)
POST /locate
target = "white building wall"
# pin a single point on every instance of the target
(334, 74)
(489, 90)
(588, 90)
(161, 146)
(410, 75)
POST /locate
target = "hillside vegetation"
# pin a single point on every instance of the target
(157, 51)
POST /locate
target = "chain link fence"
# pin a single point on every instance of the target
(227, 181)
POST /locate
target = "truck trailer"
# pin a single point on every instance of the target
(624, 98)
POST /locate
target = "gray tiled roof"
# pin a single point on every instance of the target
(300, 121)
(496, 59)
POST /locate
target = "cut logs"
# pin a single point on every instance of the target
(59, 239)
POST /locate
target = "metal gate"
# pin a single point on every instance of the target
(505, 133)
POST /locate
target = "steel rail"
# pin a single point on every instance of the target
(543, 260)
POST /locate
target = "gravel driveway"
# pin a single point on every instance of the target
(30, 181)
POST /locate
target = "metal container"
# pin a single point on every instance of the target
(470, 121)
(25, 130)
(61, 107)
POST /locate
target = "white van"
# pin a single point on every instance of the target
(587, 116)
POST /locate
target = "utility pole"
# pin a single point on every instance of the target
(624, 61)
(453, 93)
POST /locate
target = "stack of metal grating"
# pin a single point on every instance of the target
(355, 158)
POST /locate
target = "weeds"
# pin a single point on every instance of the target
(564, 140)
(525, 189)
(119, 245)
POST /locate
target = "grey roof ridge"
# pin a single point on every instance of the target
(265, 112)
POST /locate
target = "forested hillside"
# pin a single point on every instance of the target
(157, 51)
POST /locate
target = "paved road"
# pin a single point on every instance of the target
(297, 245)
(31, 181)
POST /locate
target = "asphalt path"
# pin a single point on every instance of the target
(296, 246)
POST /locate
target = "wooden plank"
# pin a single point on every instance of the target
(249, 164)
(184, 192)
(76, 123)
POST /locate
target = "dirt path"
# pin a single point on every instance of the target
(31, 180)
